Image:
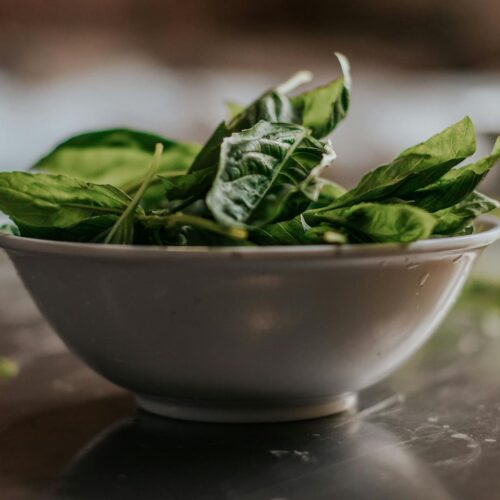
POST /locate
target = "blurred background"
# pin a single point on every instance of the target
(168, 66)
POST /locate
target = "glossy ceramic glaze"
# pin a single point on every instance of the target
(246, 335)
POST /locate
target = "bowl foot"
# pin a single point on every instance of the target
(258, 412)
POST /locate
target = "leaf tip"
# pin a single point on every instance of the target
(345, 66)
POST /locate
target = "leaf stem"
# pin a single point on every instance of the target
(123, 219)
(167, 221)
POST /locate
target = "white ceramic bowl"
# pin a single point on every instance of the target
(246, 334)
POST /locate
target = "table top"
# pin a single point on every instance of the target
(430, 431)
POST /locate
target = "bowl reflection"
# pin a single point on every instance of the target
(152, 458)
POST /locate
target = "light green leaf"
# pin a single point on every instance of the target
(415, 167)
(456, 184)
(260, 169)
(323, 108)
(329, 192)
(376, 222)
(56, 201)
(10, 229)
(233, 109)
(118, 157)
(453, 220)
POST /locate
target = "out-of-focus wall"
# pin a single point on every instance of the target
(404, 33)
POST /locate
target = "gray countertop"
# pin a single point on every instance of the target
(431, 431)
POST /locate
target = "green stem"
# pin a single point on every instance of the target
(167, 221)
(124, 217)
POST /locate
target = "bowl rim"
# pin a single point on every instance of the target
(488, 232)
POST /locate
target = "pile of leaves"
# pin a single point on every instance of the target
(257, 181)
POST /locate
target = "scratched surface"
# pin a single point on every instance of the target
(431, 431)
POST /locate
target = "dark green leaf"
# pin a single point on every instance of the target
(453, 220)
(375, 222)
(291, 232)
(456, 184)
(260, 169)
(91, 230)
(415, 167)
(188, 187)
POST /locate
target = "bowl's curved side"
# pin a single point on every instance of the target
(244, 333)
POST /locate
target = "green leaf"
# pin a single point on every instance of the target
(320, 109)
(329, 192)
(375, 222)
(233, 109)
(91, 230)
(56, 201)
(10, 229)
(122, 232)
(260, 169)
(453, 220)
(290, 232)
(456, 184)
(271, 106)
(188, 187)
(118, 157)
(296, 232)
(323, 108)
(416, 167)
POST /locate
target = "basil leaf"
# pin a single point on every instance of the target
(416, 167)
(320, 109)
(91, 230)
(117, 156)
(329, 192)
(323, 108)
(56, 201)
(10, 229)
(271, 106)
(290, 232)
(296, 232)
(233, 109)
(455, 185)
(453, 220)
(376, 222)
(188, 187)
(260, 169)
